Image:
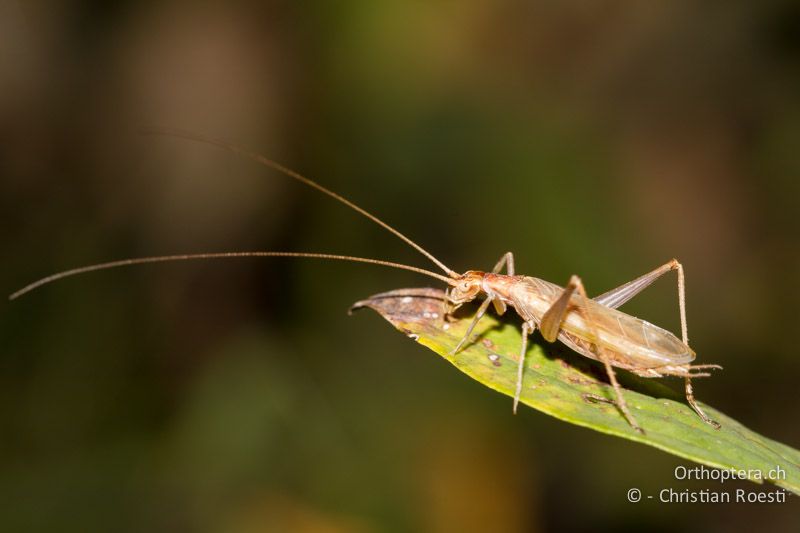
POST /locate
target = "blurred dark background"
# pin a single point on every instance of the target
(598, 138)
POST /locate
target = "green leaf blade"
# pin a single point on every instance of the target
(557, 380)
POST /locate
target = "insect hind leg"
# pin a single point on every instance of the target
(696, 408)
(616, 297)
(551, 323)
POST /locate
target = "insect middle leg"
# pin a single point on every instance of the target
(551, 324)
(616, 297)
(527, 329)
(506, 261)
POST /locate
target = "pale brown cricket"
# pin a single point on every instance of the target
(592, 327)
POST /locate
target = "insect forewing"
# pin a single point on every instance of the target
(641, 343)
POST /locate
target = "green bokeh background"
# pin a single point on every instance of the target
(600, 139)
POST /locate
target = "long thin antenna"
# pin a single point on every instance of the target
(299, 177)
(218, 255)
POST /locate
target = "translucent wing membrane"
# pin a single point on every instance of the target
(643, 344)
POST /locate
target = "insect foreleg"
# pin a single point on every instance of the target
(555, 315)
(506, 261)
(481, 311)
